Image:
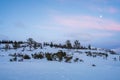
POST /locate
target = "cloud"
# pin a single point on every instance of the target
(112, 10)
(87, 22)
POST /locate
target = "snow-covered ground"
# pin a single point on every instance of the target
(41, 69)
(57, 71)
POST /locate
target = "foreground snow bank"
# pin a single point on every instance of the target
(44, 70)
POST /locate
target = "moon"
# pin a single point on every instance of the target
(101, 16)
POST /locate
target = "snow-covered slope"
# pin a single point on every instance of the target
(87, 68)
(117, 50)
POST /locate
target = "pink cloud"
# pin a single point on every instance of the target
(113, 10)
(87, 22)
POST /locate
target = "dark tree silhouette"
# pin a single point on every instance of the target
(76, 44)
(68, 44)
(51, 45)
(16, 45)
(35, 45)
(30, 41)
(89, 46)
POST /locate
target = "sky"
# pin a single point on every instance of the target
(95, 22)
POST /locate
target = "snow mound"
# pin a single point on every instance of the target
(117, 50)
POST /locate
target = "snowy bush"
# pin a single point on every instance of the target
(48, 56)
(81, 60)
(93, 65)
(26, 56)
(60, 55)
(76, 59)
(13, 59)
(38, 56)
(68, 59)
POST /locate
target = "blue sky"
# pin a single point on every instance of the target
(95, 22)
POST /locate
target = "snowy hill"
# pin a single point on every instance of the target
(117, 50)
(55, 63)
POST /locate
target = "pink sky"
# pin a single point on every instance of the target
(87, 22)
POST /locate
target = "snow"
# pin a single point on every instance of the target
(41, 69)
(117, 50)
(57, 71)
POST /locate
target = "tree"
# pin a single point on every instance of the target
(30, 41)
(7, 46)
(89, 46)
(68, 44)
(16, 45)
(76, 44)
(35, 45)
(51, 44)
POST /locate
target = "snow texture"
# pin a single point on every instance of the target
(41, 69)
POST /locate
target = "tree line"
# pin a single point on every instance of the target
(31, 43)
